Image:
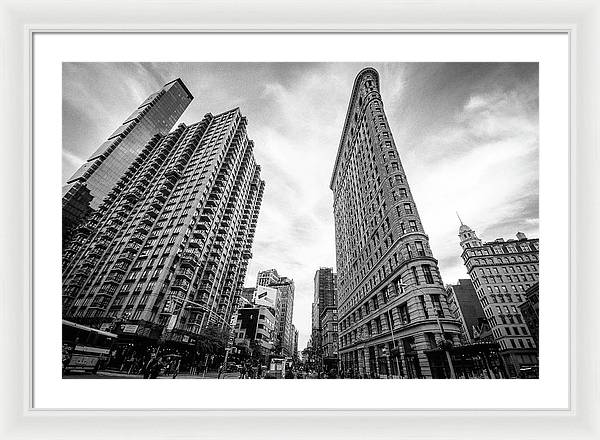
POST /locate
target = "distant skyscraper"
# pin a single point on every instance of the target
(284, 306)
(388, 278)
(91, 183)
(166, 253)
(465, 307)
(286, 289)
(501, 272)
(325, 325)
(267, 277)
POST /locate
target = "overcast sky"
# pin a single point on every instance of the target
(467, 135)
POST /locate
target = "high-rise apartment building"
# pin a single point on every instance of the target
(501, 272)
(389, 286)
(165, 255)
(92, 182)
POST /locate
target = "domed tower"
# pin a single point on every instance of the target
(468, 238)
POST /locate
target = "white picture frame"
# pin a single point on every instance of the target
(581, 20)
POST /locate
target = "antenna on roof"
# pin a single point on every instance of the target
(459, 219)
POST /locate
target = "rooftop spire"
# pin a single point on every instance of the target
(459, 219)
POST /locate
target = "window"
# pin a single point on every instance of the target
(408, 208)
(424, 306)
(412, 224)
(437, 305)
(427, 273)
(403, 312)
(420, 248)
(415, 275)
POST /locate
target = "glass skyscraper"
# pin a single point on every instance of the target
(91, 183)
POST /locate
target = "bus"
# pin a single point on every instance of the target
(85, 349)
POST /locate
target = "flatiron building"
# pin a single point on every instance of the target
(390, 292)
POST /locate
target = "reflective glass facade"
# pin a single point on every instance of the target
(91, 183)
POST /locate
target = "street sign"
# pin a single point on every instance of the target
(130, 328)
(171, 323)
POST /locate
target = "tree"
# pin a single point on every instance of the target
(212, 340)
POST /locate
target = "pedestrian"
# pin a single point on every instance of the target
(155, 369)
(243, 371)
(149, 366)
(176, 368)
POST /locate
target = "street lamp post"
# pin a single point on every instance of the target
(448, 357)
(391, 323)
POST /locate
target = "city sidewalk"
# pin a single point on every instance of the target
(123, 375)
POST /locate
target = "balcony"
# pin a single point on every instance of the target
(83, 271)
(181, 284)
(147, 220)
(117, 219)
(120, 267)
(205, 287)
(195, 243)
(114, 278)
(137, 238)
(189, 259)
(210, 268)
(164, 190)
(173, 173)
(153, 212)
(95, 252)
(185, 273)
(161, 196)
(102, 244)
(132, 248)
(156, 203)
(133, 195)
(126, 256)
(199, 234)
(142, 229)
(83, 230)
(208, 277)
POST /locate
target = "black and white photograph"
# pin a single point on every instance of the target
(300, 220)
